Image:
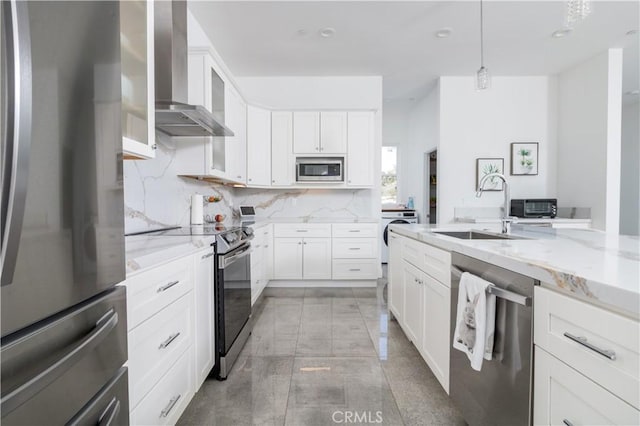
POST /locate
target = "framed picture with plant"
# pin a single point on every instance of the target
(485, 166)
(524, 158)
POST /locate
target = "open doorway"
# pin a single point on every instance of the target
(431, 186)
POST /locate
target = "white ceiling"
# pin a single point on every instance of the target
(396, 39)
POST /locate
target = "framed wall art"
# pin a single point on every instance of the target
(524, 158)
(484, 166)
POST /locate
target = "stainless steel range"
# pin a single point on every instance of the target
(233, 297)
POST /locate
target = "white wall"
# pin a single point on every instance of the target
(423, 137)
(338, 93)
(630, 170)
(589, 111)
(482, 124)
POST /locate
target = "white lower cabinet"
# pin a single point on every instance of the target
(564, 396)
(168, 399)
(302, 258)
(395, 287)
(171, 338)
(420, 299)
(287, 258)
(205, 315)
(435, 338)
(261, 261)
(316, 258)
(413, 303)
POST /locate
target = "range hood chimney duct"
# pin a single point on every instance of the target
(174, 116)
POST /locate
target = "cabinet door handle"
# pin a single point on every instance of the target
(583, 341)
(207, 255)
(167, 286)
(299, 243)
(169, 340)
(165, 412)
(567, 422)
(238, 177)
(354, 248)
(354, 269)
(304, 242)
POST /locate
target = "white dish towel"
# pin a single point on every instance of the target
(475, 320)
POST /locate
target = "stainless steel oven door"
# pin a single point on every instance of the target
(234, 294)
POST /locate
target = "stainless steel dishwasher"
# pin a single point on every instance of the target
(501, 393)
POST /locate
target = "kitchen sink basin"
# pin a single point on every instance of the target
(476, 235)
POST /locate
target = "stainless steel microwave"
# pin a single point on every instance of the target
(315, 169)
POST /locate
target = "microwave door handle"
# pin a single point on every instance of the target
(17, 137)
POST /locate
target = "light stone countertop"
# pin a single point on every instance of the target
(145, 251)
(522, 220)
(588, 264)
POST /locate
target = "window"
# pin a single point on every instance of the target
(389, 162)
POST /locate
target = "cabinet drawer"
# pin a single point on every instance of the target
(149, 292)
(169, 397)
(355, 248)
(557, 317)
(349, 230)
(564, 396)
(431, 260)
(290, 230)
(346, 269)
(156, 344)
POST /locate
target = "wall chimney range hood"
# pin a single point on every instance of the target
(174, 116)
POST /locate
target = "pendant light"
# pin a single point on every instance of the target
(577, 11)
(483, 80)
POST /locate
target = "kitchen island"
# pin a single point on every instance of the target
(573, 336)
(588, 264)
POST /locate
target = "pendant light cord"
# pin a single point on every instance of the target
(481, 37)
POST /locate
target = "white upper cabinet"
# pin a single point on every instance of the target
(306, 132)
(333, 132)
(221, 158)
(258, 146)
(138, 90)
(360, 155)
(236, 146)
(282, 161)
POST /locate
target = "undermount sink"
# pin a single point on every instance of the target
(476, 235)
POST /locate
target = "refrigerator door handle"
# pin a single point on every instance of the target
(14, 189)
(18, 396)
(111, 413)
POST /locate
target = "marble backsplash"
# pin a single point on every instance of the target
(156, 197)
(306, 203)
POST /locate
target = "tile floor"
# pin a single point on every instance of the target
(325, 356)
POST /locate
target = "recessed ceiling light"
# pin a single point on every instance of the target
(444, 32)
(302, 32)
(632, 32)
(561, 33)
(327, 32)
(633, 92)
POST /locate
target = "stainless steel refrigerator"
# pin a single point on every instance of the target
(63, 319)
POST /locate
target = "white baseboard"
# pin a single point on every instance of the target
(322, 283)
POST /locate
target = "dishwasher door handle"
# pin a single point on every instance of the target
(499, 292)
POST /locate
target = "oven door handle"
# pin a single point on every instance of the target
(227, 260)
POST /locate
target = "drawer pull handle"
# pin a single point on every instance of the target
(355, 269)
(170, 405)
(354, 248)
(567, 422)
(167, 286)
(207, 255)
(354, 230)
(169, 340)
(583, 341)
(302, 230)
